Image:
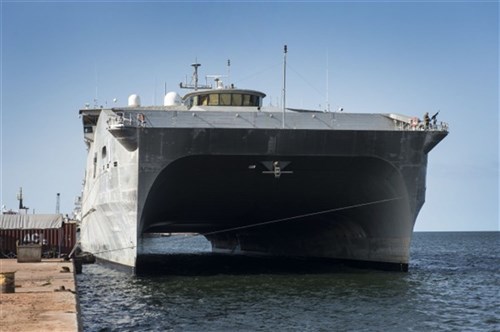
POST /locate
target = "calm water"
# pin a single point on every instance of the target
(453, 285)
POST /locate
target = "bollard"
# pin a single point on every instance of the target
(7, 282)
(77, 263)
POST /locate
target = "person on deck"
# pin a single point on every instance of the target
(427, 120)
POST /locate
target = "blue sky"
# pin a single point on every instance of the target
(388, 57)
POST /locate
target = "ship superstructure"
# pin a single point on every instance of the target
(217, 162)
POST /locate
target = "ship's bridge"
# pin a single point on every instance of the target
(224, 97)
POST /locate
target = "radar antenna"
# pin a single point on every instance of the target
(194, 79)
(217, 80)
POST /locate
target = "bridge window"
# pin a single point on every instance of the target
(225, 99)
(203, 100)
(236, 99)
(250, 100)
(214, 99)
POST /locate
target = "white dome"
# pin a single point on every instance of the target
(172, 99)
(134, 100)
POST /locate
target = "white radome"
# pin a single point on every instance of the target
(172, 99)
(134, 100)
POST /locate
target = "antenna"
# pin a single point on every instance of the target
(96, 81)
(285, 50)
(217, 79)
(154, 92)
(195, 66)
(20, 199)
(58, 201)
(195, 79)
(229, 71)
(327, 82)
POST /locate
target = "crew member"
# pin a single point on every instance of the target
(427, 120)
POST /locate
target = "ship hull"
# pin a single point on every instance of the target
(351, 194)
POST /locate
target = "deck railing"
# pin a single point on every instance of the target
(421, 126)
(122, 119)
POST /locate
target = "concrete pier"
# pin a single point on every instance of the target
(45, 297)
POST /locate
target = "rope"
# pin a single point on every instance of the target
(268, 222)
(287, 219)
(110, 250)
(301, 216)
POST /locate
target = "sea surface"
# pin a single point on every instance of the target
(453, 285)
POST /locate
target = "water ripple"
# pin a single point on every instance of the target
(453, 285)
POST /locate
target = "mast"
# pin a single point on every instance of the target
(285, 50)
(327, 82)
(58, 202)
(20, 198)
(195, 79)
(195, 66)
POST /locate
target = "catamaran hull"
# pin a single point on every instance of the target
(350, 195)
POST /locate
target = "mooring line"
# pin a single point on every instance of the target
(301, 216)
(269, 222)
(288, 218)
(108, 250)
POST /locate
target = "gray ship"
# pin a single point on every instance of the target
(254, 180)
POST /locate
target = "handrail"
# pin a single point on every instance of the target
(420, 125)
(140, 120)
(122, 119)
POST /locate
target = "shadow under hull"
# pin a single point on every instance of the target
(345, 208)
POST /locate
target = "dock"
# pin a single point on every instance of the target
(44, 298)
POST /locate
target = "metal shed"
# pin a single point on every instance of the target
(56, 235)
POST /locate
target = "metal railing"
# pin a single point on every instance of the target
(122, 120)
(421, 126)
